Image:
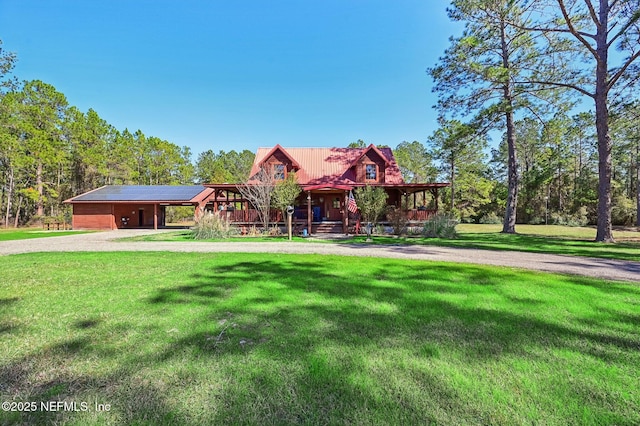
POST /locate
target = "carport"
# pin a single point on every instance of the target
(134, 206)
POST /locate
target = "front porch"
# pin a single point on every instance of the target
(323, 209)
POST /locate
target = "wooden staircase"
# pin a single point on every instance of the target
(327, 228)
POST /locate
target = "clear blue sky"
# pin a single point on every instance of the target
(234, 74)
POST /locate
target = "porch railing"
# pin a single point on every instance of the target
(251, 215)
(417, 215)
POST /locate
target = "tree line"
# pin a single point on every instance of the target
(557, 169)
(51, 151)
(535, 58)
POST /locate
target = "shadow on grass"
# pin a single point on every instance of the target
(87, 323)
(613, 263)
(6, 301)
(351, 302)
(517, 242)
(299, 342)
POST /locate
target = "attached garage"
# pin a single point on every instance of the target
(134, 206)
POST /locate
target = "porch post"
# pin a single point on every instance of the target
(155, 216)
(345, 213)
(309, 215)
(435, 195)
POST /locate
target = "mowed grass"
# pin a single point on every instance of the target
(176, 338)
(564, 240)
(551, 239)
(573, 232)
(185, 235)
(29, 233)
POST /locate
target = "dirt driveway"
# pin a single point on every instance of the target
(104, 241)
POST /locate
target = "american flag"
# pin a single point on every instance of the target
(352, 206)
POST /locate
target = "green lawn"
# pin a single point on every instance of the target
(186, 235)
(28, 233)
(531, 238)
(178, 338)
(573, 232)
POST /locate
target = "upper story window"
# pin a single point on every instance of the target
(371, 172)
(278, 172)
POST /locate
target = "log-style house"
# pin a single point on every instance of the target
(326, 177)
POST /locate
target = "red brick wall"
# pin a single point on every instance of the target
(108, 216)
(92, 216)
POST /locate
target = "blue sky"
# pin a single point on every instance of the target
(239, 74)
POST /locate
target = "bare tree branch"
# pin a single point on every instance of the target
(622, 70)
(258, 191)
(575, 32)
(633, 20)
(592, 12)
(557, 84)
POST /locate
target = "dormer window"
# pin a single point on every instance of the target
(278, 172)
(371, 172)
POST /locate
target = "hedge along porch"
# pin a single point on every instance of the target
(134, 206)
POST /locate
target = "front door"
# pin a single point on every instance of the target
(333, 207)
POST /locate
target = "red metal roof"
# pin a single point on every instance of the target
(330, 166)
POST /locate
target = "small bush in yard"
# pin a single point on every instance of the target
(490, 218)
(398, 220)
(274, 231)
(440, 226)
(212, 225)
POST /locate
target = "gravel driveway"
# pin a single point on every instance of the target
(104, 241)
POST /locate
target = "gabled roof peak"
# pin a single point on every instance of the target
(277, 148)
(373, 148)
(321, 166)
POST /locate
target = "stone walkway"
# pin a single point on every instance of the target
(618, 270)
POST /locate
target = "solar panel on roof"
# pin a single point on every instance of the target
(142, 193)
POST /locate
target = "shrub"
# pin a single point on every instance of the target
(414, 230)
(536, 220)
(490, 218)
(398, 219)
(372, 203)
(254, 231)
(36, 220)
(577, 219)
(212, 225)
(440, 226)
(623, 211)
(274, 231)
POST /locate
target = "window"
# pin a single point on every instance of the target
(336, 203)
(278, 171)
(371, 172)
